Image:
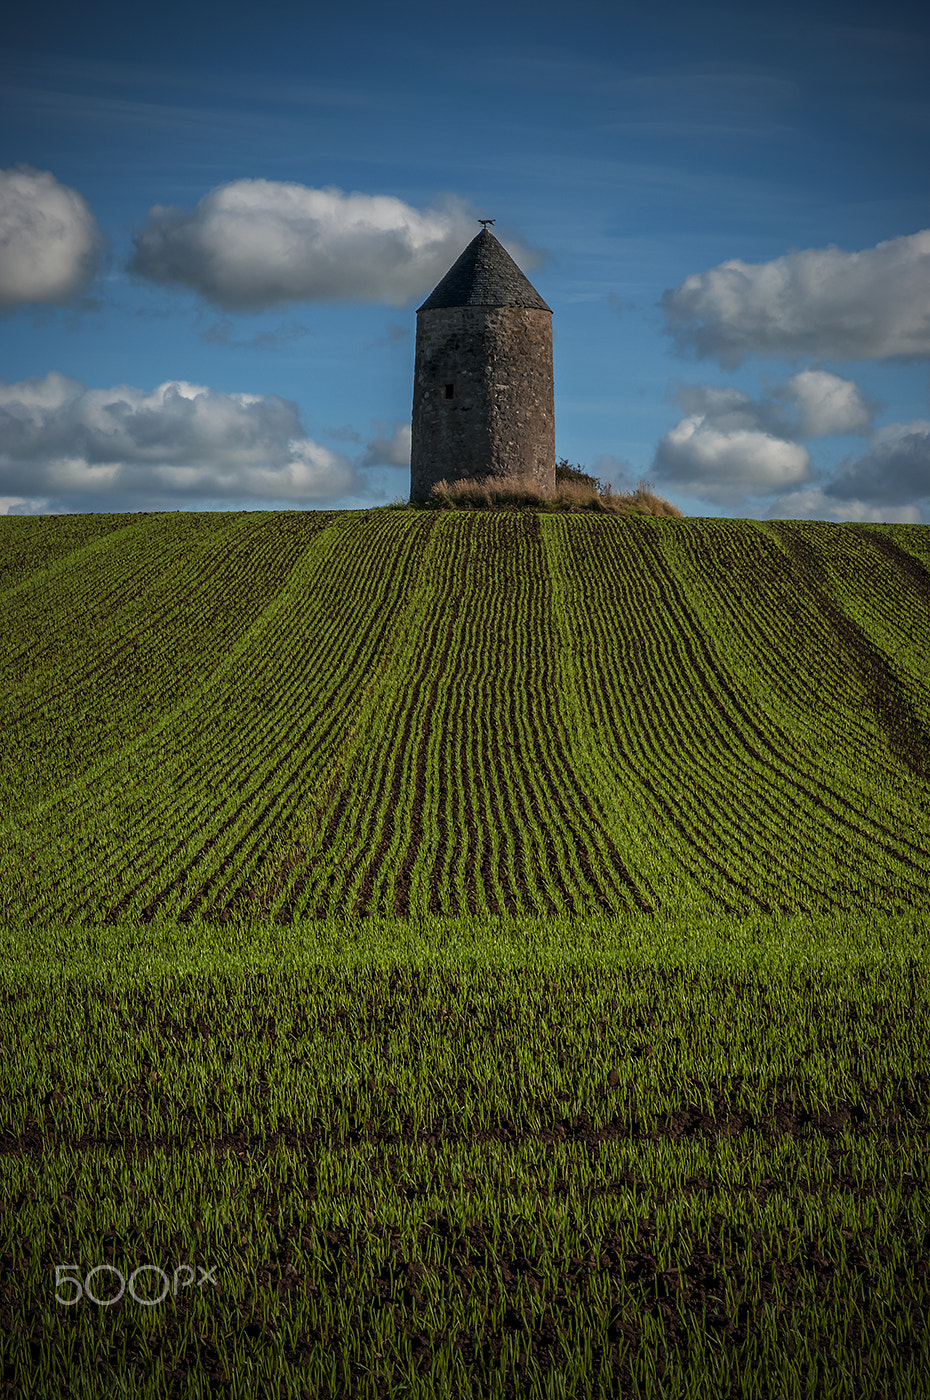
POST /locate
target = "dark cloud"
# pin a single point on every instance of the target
(895, 470)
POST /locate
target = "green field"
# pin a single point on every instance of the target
(496, 944)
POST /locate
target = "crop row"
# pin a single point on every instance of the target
(748, 599)
(667, 1141)
(879, 611)
(755, 811)
(31, 545)
(100, 676)
(405, 713)
(177, 794)
(634, 710)
(461, 795)
(776, 631)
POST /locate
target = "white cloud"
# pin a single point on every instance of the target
(701, 460)
(827, 404)
(895, 469)
(18, 505)
(49, 239)
(819, 404)
(126, 448)
(730, 447)
(815, 504)
(253, 244)
(729, 444)
(727, 409)
(390, 449)
(821, 301)
(722, 452)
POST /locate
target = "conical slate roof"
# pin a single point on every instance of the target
(484, 275)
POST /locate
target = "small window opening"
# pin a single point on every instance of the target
(450, 391)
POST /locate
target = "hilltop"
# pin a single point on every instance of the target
(304, 714)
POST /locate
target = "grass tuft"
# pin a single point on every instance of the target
(577, 493)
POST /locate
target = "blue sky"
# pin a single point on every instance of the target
(216, 226)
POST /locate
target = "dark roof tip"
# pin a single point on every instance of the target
(484, 274)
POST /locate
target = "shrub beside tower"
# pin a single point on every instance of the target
(483, 406)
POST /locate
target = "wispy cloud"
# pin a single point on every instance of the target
(58, 73)
(102, 111)
(223, 332)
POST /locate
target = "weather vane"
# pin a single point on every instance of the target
(485, 222)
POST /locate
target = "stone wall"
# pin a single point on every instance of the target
(482, 396)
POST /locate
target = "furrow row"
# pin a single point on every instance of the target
(33, 547)
(646, 749)
(400, 714)
(666, 698)
(115, 691)
(686, 674)
(252, 748)
(741, 583)
(770, 751)
(302, 763)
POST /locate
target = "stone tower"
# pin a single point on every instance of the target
(482, 381)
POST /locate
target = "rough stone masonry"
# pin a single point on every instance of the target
(482, 385)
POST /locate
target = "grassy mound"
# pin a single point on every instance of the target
(575, 490)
